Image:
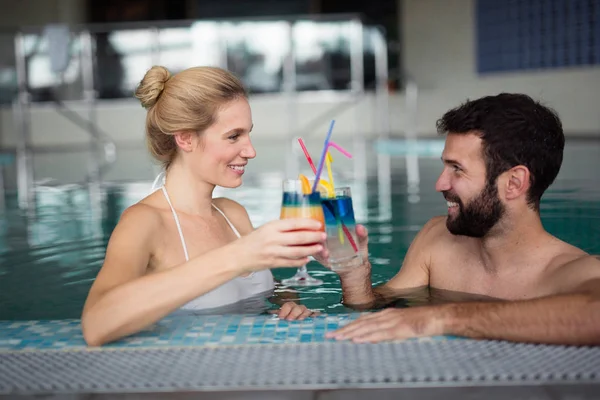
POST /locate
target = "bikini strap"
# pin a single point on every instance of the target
(228, 221)
(164, 190)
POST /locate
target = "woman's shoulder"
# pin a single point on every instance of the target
(143, 215)
(135, 231)
(236, 213)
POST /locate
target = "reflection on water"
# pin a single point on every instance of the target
(256, 304)
(423, 296)
(47, 264)
(269, 302)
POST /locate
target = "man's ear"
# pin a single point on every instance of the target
(185, 140)
(516, 182)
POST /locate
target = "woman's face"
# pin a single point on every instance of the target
(221, 153)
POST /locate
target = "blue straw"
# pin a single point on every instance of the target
(322, 159)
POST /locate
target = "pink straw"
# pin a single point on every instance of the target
(349, 236)
(339, 148)
(307, 155)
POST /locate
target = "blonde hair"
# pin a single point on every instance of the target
(187, 101)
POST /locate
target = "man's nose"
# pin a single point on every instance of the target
(443, 182)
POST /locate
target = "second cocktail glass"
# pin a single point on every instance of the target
(341, 230)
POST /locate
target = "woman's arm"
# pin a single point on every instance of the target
(123, 299)
(284, 297)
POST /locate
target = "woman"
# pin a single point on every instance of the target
(179, 248)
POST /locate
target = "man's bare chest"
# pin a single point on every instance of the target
(467, 273)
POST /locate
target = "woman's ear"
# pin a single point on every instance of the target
(185, 140)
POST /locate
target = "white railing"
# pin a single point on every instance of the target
(298, 57)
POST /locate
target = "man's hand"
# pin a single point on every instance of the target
(393, 324)
(363, 248)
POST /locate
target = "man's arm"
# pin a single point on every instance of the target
(569, 318)
(357, 289)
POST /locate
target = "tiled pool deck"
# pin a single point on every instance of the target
(176, 331)
(246, 354)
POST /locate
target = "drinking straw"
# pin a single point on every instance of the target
(309, 159)
(339, 148)
(322, 159)
(328, 160)
(328, 187)
(307, 155)
(349, 236)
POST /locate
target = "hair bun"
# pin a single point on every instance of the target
(152, 86)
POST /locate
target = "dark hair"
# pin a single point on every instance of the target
(515, 130)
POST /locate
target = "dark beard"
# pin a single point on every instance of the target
(479, 216)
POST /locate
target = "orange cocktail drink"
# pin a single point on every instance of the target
(298, 204)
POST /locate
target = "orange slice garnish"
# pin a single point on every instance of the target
(306, 189)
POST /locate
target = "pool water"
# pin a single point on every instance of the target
(48, 263)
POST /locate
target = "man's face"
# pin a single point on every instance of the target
(478, 216)
(474, 206)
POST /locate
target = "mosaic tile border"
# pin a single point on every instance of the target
(179, 331)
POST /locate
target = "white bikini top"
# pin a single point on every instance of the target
(233, 291)
(185, 251)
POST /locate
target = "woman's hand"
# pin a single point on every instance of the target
(280, 243)
(291, 311)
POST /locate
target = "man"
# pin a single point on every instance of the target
(501, 153)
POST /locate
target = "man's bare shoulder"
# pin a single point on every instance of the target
(434, 238)
(435, 232)
(589, 263)
(435, 226)
(574, 270)
(567, 256)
